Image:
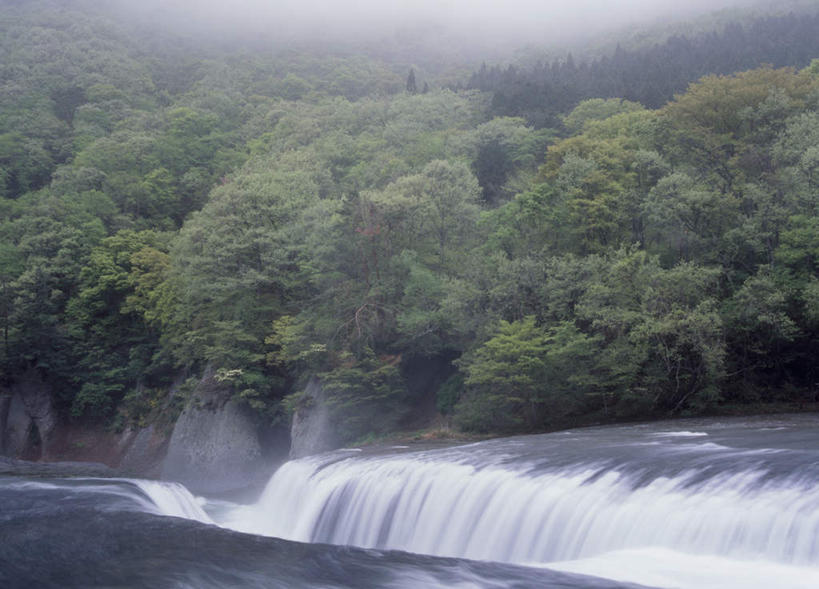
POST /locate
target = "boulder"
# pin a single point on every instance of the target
(215, 447)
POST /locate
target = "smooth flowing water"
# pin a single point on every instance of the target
(120, 533)
(689, 504)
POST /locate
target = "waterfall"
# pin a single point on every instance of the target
(498, 514)
(114, 494)
(551, 499)
(172, 499)
(716, 505)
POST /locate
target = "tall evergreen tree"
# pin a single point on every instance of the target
(412, 87)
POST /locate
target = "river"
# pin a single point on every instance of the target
(699, 504)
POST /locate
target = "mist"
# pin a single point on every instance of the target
(478, 22)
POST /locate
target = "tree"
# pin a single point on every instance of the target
(597, 109)
(506, 377)
(760, 330)
(366, 395)
(526, 376)
(412, 87)
(116, 343)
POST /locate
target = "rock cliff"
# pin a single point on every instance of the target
(218, 445)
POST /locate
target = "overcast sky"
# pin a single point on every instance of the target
(525, 19)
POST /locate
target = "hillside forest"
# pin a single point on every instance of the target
(566, 242)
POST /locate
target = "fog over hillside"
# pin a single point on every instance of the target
(478, 21)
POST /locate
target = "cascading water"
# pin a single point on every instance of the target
(172, 499)
(157, 497)
(495, 514)
(691, 505)
(92, 533)
(733, 492)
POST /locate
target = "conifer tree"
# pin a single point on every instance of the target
(412, 88)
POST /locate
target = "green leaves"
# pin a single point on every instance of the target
(526, 376)
(597, 109)
(365, 395)
(276, 218)
(617, 335)
(114, 320)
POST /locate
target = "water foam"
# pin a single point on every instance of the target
(172, 499)
(449, 509)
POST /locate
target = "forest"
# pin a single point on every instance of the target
(649, 73)
(571, 242)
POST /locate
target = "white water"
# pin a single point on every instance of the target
(497, 514)
(657, 567)
(173, 499)
(657, 516)
(158, 497)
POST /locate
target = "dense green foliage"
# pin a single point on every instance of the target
(649, 74)
(166, 209)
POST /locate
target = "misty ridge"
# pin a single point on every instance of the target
(490, 25)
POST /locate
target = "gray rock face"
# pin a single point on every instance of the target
(27, 418)
(312, 430)
(215, 445)
(18, 427)
(143, 456)
(36, 396)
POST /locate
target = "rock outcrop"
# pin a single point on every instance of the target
(144, 452)
(312, 430)
(28, 419)
(217, 446)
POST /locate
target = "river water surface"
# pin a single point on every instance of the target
(692, 504)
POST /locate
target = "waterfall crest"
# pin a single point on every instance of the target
(547, 499)
(172, 499)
